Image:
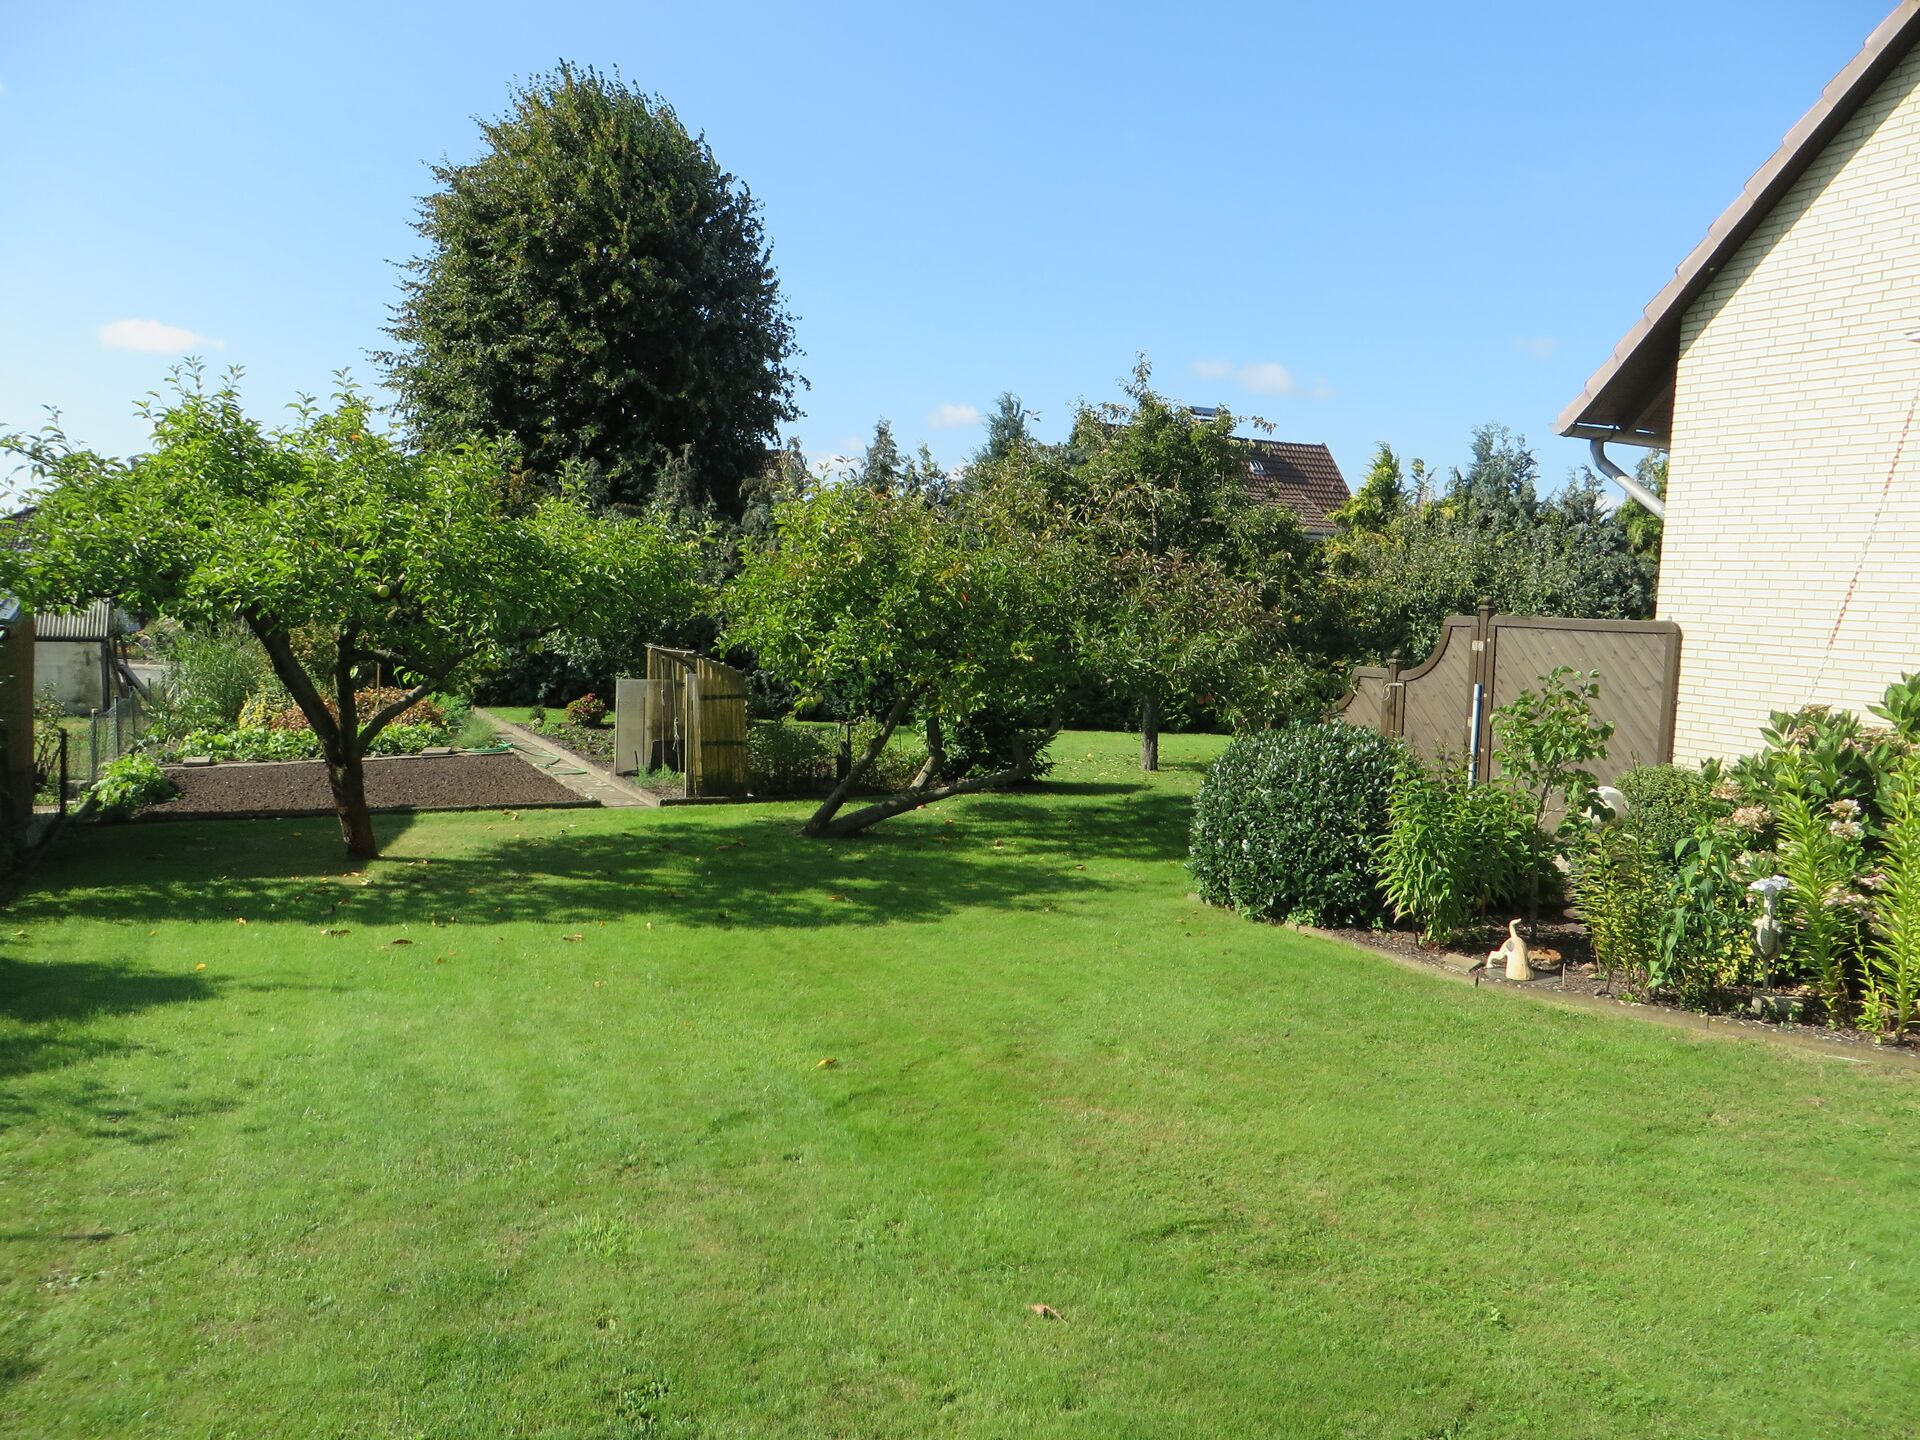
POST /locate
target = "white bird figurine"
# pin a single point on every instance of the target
(1514, 952)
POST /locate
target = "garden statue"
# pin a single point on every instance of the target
(1767, 930)
(1514, 952)
(1608, 806)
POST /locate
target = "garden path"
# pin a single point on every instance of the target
(586, 780)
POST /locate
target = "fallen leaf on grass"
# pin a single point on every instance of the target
(335, 931)
(1046, 1312)
(836, 896)
(239, 920)
(401, 940)
(201, 966)
(19, 934)
(826, 1064)
(573, 937)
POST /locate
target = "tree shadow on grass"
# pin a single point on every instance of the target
(746, 867)
(47, 1010)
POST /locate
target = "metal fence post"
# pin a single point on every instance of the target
(63, 771)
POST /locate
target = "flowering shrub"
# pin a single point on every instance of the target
(1832, 804)
(589, 710)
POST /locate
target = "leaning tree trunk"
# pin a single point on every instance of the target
(817, 825)
(871, 815)
(1150, 731)
(348, 778)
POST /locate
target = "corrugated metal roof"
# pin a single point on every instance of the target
(96, 622)
(1631, 396)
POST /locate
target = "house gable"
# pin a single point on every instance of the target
(1794, 479)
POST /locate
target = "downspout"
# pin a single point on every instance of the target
(1635, 490)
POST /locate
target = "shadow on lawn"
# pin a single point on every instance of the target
(50, 1005)
(1032, 850)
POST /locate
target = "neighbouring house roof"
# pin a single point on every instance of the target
(1630, 397)
(99, 621)
(1304, 478)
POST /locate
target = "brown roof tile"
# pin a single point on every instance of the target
(1304, 478)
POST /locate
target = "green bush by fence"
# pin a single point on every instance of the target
(1286, 823)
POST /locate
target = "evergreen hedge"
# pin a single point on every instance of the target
(1286, 823)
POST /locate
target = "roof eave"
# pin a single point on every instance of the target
(1630, 398)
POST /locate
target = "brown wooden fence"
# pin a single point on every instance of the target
(1444, 706)
(689, 714)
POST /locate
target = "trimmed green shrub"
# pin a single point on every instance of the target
(1286, 822)
(1666, 804)
(788, 757)
(129, 784)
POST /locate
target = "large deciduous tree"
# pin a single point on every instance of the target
(949, 614)
(597, 287)
(329, 537)
(1197, 587)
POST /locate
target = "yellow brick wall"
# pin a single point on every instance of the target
(1794, 380)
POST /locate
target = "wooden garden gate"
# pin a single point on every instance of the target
(689, 714)
(1443, 707)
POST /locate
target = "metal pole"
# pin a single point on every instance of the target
(1473, 735)
(63, 771)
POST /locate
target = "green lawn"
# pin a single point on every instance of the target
(567, 1164)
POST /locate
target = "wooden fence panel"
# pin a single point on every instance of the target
(1431, 716)
(1443, 707)
(1638, 665)
(723, 729)
(636, 711)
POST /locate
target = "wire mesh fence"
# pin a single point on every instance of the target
(110, 733)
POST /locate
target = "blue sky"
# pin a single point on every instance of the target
(1363, 222)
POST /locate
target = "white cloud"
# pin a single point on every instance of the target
(153, 338)
(1537, 347)
(834, 466)
(1267, 377)
(1213, 369)
(953, 417)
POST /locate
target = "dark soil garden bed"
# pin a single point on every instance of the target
(1574, 973)
(591, 743)
(404, 782)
